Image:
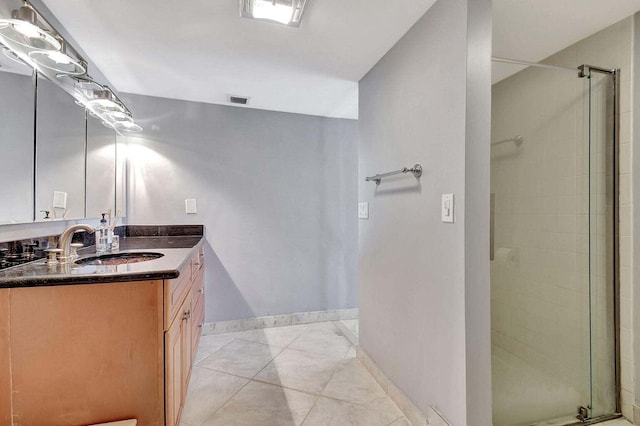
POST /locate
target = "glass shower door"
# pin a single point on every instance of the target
(551, 286)
(601, 120)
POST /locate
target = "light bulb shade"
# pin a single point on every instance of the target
(82, 86)
(24, 30)
(117, 116)
(58, 61)
(11, 62)
(105, 102)
(127, 126)
(287, 12)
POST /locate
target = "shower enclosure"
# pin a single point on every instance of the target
(554, 316)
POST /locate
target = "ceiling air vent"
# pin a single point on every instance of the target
(240, 100)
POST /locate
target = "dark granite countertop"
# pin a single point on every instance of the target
(177, 251)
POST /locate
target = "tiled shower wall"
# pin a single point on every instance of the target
(539, 282)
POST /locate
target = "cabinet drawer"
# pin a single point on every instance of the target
(175, 291)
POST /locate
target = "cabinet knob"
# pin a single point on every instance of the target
(201, 290)
(187, 315)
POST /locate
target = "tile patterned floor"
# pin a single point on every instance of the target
(617, 422)
(297, 375)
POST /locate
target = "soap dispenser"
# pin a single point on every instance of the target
(102, 236)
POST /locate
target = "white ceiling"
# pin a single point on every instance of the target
(533, 30)
(201, 50)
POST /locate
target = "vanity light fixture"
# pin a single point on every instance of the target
(105, 102)
(287, 12)
(59, 61)
(24, 30)
(29, 38)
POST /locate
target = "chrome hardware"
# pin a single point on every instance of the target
(74, 250)
(583, 413)
(65, 240)
(416, 170)
(492, 226)
(201, 290)
(517, 140)
(53, 256)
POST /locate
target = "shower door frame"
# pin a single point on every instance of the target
(584, 71)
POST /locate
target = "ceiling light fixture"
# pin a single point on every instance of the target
(287, 12)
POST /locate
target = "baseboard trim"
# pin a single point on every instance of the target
(351, 337)
(222, 327)
(415, 416)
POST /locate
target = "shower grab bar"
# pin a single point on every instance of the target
(416, 170)
(516, 139)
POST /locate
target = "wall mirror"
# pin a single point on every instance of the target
(17, 115)
(59, 161)
(101, 168)
(60, 154)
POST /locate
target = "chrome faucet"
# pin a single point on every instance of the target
(64, 242)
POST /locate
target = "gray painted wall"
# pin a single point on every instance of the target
(417, 277)
(276, 192)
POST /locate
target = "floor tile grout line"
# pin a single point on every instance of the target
(310, 410)
(244, 377)
(321, 354)
(340, 363)
(217, 350)
(226, 401)
(395, 420)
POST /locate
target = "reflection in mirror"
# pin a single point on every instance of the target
(121, 176)
(17, 115)
(101, 168)
(60, 154)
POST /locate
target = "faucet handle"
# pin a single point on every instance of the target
(53, 256)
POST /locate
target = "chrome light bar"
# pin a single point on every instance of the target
(29, 37)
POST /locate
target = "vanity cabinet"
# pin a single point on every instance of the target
(183, 333)
(197, 271)
(94, 353)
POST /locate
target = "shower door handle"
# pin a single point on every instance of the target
(492, 225)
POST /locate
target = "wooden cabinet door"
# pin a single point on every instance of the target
(5, 359)
(173, 373)
(86, 354)
(186, 345)
(178, 362)
(197, 310)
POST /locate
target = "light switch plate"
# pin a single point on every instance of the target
(59, 200)
(363, 210)
(190, 206)
(448, 204)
